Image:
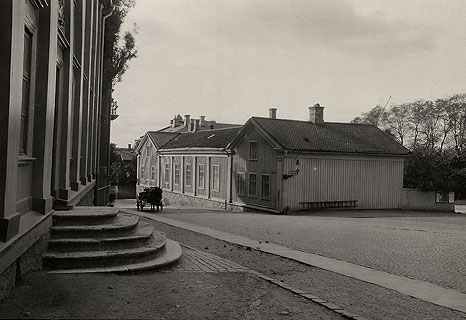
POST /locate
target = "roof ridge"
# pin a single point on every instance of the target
(205, 131)
(307, 121)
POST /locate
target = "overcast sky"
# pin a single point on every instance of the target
(230, 60)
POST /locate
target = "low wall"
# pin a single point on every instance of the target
(181, 199)
(125, 192)
(415, 199)
(31, 260)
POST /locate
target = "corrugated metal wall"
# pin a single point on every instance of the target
(374, 182)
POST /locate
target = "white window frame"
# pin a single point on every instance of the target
(251, 143)
(267, 197)
(166, 173)
(176, 173)
(189, 177)
(241, 181)
(201, 179)
(216, 178)
(152, 173)
(249, 185)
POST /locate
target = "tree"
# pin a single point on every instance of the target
(117, 53)
(374, 116)
(121, 173)
(397, 121)
(435, 132)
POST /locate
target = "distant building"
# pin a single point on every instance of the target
(277, 165)
(51, 121)
(126, 154)
(188, 124)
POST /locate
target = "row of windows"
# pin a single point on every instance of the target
(252, 190)
(188, 175)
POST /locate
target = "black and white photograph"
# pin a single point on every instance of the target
(244, 159)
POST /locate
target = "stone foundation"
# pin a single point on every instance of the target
(180, 199)
(7, 280)
(87, 199)
(29, 261)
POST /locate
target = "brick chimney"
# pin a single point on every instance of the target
(201, 121)
(196, 125)
(316, 114)
(187, 121)
(129, 146)
(272, 113)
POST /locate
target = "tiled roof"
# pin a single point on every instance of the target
(125, 154)
(330, 137)
(216, 138)
(161, 138)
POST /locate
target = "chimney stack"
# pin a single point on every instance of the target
(196, 125)
(201, 121)
(129, 146)
(172, 123)
(316, 114)
(272, 113)
(187, 121)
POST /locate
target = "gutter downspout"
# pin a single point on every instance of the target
(106, 12)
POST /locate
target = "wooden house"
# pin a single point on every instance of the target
(192, 168)
(289, 165)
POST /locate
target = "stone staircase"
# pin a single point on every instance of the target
(100, 239)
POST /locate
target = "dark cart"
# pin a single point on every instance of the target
(150, 196)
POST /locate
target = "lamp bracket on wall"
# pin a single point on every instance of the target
(292, 173)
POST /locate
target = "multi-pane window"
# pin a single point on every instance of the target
(26, 91)
(252, 185)
(152, 173)
(241, 183)
(166, 175)
(142, 173)
(201, 176)
(189, 174)
(177, 173)
(147, 151)
(216, 178)
(253, 150)
(265, 187)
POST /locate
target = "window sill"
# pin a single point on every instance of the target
(24, 160)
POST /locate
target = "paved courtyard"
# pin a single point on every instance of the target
(418, 245)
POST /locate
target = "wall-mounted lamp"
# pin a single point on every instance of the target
(292, 173)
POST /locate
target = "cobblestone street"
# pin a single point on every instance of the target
(422, 246)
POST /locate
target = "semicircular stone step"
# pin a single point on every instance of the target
(168, 255)
(122, 225)
(139, 237)
(85, 216)
(102, 258)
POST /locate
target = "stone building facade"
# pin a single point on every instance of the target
(50, 97)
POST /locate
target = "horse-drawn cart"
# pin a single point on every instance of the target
(150, 196)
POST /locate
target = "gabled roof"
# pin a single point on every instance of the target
(125, 154)
(161, 138)
(216, 138)
(295, 135)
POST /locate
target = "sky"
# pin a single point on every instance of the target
(230, 60)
